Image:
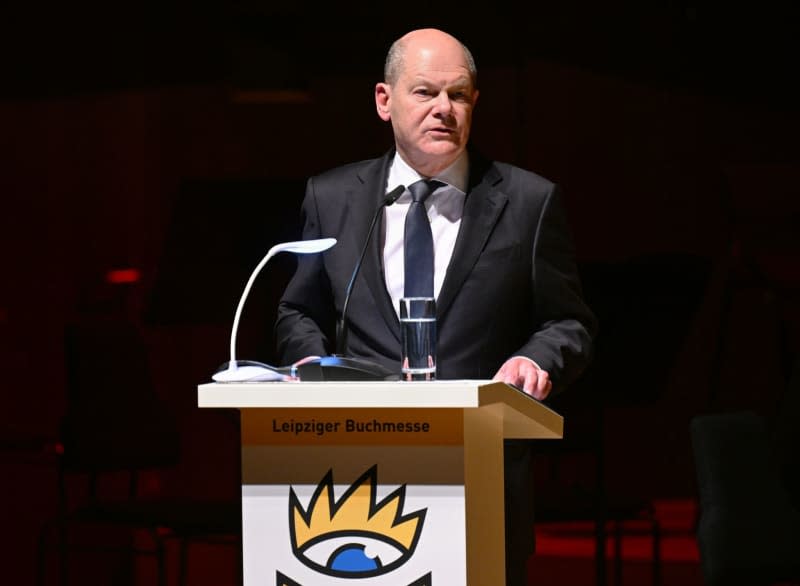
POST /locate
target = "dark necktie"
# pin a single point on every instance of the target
(418, 242)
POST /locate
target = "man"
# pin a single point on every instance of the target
(507, 293)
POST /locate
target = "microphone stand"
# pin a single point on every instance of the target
(340, 366)
(341, 326)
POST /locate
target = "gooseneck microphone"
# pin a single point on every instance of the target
(341, 326)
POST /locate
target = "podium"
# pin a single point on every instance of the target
(376, 483)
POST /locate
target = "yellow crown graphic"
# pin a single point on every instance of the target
(356, 518)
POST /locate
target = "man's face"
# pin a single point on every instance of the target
(430, 105)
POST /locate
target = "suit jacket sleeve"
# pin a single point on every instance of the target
(562, 340)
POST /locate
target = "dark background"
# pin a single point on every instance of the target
(174, 138)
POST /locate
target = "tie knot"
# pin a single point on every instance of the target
(420, 190)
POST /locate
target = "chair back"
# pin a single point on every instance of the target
(115, 420)
(748, 533)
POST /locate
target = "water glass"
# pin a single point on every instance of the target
(418, 338)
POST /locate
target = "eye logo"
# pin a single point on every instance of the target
(356, 536)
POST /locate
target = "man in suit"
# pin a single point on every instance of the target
(508, 298)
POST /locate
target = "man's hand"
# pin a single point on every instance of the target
(523, 372)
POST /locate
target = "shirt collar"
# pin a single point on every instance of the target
(456, 175)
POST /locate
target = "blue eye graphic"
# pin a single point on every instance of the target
(351, 558)
(355, 556)
(355, 536)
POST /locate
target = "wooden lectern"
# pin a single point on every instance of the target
(376, 483)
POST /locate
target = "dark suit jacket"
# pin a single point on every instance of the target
(511, 287)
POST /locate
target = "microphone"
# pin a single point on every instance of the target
(340, 367)
(232, 371)
(341, 326)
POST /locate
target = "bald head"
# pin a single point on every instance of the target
(418, 40)
(428, 96)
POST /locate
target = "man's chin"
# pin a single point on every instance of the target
(443, 149)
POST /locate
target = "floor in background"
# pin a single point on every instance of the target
(552, 571)
(565, 552)
(564, 556)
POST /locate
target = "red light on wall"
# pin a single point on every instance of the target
(122, 276)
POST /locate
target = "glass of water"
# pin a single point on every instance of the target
(418, 337)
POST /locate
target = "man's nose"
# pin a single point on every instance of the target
(443, 104)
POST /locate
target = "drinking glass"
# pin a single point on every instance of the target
(418, 336)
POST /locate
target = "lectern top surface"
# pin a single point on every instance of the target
(451, 393)
(516, 408)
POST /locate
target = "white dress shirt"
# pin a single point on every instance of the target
(445, 207)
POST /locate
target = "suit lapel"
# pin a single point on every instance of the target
(482, 208)
(372, 183)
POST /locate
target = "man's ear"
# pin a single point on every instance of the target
(383, 96)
